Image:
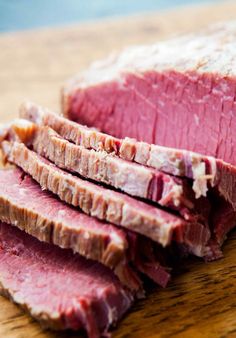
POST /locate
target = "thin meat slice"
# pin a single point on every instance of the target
(161, 95)
(60, 289)
(67, 227)
(43, 216)
(174, 159)
(205, 171)
(94, 200)
(79, 134)
(135, 180)
(221, 175)
(150, 221)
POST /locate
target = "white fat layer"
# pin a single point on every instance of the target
(21, 123)
(133, 184)
(23, 192)
(116, 238)
(162, 158)
(200, 183)
(197, 250)
(61, 213)
(212, 50)
(165, 233)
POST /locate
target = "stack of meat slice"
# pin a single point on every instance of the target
(81, 190)
(86, 215)
(198, 188)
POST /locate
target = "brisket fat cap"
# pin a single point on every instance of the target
(60, 289)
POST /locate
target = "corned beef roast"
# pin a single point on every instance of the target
(178, 93)
(60, 289)
(171, 117)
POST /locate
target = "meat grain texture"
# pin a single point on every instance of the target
(48, 219)
(158, 114)
(211, 177)
(178, 93)
(205, 171)
(35, 275)
(150, 221)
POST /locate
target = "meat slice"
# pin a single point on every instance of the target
(79, 134)
(132, 214)
(67, 227)
(181, 162)
(135, 180)
(205, 171)
(60, 289)
(43, 216)
(160, 95)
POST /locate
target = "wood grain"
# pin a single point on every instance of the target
(201, 300)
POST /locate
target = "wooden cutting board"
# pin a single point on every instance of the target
(201, 300)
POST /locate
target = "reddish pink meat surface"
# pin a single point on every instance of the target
(62, 290)
(187, 111)
(161, 95)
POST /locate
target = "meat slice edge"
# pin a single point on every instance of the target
(164, 225)
(43, 216)
(34, 116)
(205, 171)
(95, 200)
(167, 190)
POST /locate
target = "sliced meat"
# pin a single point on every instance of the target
(205, 171)
(163, 227)
(77, 133)
(43, 216)
(60, 289)
(136, 180)
(184, 161)
(67, 227)
(94, 200)
(159, 95)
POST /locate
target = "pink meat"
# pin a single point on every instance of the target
(162, 95)
(25, 205)
(167, 190)
(58, 288)
(159, 225)
(99, 202)
(205, 171)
